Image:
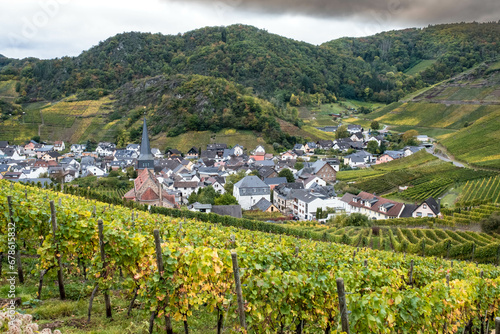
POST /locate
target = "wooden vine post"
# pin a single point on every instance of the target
(62, 292)
(239, 294)
(159, 262)
(411, 273)
(104, 264)
(497, 325)
(18, 251)
(342, 306)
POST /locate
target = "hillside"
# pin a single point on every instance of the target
(463, 113)
(275, 66)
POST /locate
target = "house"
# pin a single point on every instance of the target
(249, 190)
(325, 144)
(289, 155)
(353, 128)
(105, 149)
(186, 188)
(13, 153)
(429, 208)
(30, 148)
(3, 144)
(148, 190)
(310, 147)
(193, 153)
(59, 146)
(306, 203)
(272, 182)
(423, 138)
(312, 180)
(259, 150)
(409, 150)
(78, 148)
(94, 171)
(335, 163)
(357, 137)
(133, 147)
(389, 156)
(265, 206)
(298, 147)
(157, 153)
(199, 207)
(359, 159)
(321, 169)
(172, 152)
(283, 196)
(51, 156)
(375, 207)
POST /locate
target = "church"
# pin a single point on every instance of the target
(147, 189)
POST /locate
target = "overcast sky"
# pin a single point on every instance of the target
(56, 28)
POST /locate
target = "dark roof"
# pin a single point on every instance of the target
(433, 205)
(275, 180)
(408, 210)
(262, 205)
(227, 210)
(4, 143)
(145, 152)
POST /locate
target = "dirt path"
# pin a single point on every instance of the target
(40, 125)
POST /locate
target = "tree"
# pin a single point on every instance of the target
(131, 172)
(372, 147)
(375, 125)
(298, 165)
(232, 179)
(409, 135)
(342, 132)
(226, 199)
(288, 174)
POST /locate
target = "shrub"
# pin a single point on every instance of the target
(492, 224)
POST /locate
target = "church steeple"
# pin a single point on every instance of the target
(146, 159)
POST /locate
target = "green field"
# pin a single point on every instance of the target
(478, 144)
(420, 66)
(8, 90)
(482, 189)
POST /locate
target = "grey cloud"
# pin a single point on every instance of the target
(415, 11)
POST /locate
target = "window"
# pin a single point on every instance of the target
(424, 206)
(419, 214)
(430, 215)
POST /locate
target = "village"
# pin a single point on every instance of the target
(297, 183)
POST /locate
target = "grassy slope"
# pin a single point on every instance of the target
(248, 139)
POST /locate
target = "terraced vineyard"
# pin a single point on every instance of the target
(287, 285)
(482, 189)
(427, 242)
(423, 173)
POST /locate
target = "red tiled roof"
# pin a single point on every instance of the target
(149, 195)
(364, 196)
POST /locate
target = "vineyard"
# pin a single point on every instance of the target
(176, 269)
(464, 245)
(482, 189)
(424, 176)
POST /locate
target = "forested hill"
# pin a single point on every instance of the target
(178, 103)
(371, 68)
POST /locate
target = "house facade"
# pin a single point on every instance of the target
(249, 190)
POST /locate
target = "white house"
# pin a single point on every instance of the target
(94, 170)
(249, 190)
(306, 204)
(78, 148)
(59, 146)
(105, 149)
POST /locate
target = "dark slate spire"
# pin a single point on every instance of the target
(146, 159)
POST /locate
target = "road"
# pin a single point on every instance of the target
(443, 157)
